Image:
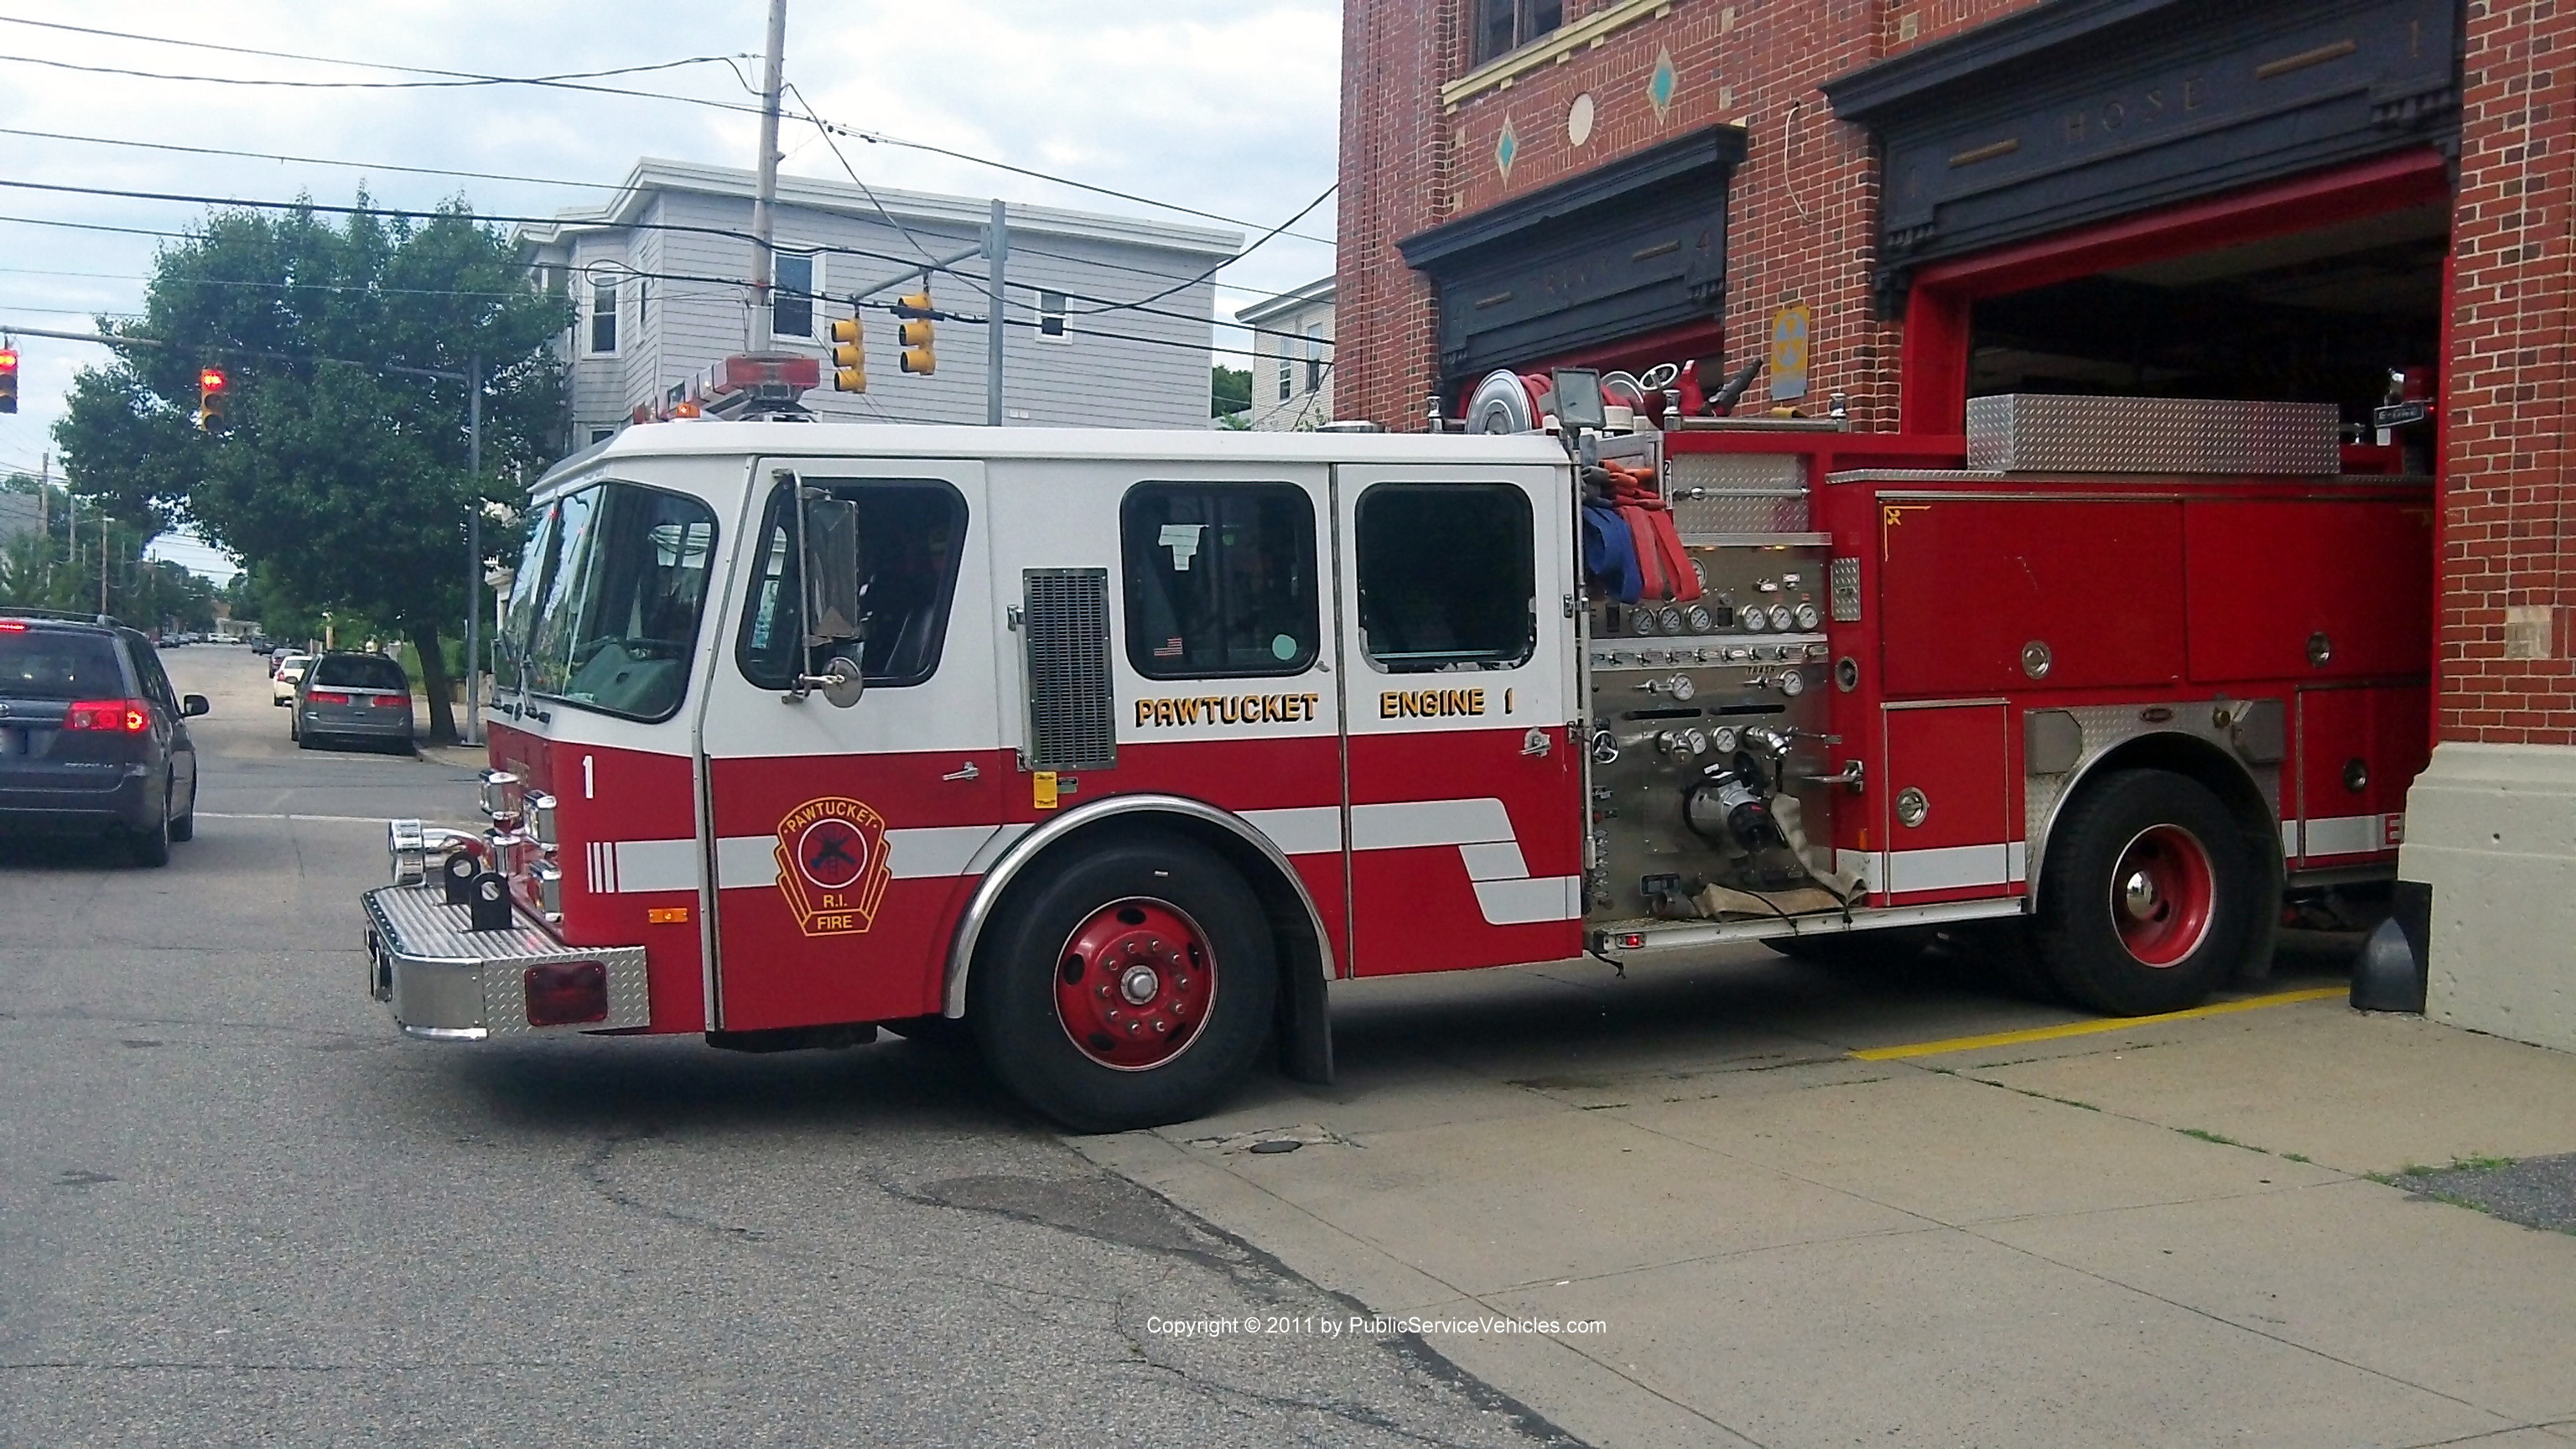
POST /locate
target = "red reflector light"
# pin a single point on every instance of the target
(325, 697)
(117, 716)
(567, 993)
(393, 701)
(13, 626)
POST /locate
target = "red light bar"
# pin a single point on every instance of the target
(116, 716)
(747, 370)
(13, 626)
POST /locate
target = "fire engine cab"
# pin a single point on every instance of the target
(1112, 750)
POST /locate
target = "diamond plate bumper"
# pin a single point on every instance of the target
(447, 983)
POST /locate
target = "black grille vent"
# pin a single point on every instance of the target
(1065, 636)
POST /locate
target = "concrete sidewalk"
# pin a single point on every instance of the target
(2167, 1233)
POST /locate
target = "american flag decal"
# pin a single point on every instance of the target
(1171, 649)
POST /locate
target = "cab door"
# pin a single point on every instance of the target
(842, 835)
(1463, 791)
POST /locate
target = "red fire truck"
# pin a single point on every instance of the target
(1111, 750)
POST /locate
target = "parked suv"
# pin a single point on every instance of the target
(92, 740)
(353, 697)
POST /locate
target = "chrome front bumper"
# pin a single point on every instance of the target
(447, 983)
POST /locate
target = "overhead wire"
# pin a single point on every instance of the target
(572, 81)
(312, 160)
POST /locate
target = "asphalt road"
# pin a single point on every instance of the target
(235, 1205)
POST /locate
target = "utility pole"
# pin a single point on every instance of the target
(45, 499)
(764, 201)
(997, 251)
(473, 547)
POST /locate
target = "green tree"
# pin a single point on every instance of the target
(1229, 391)
(344, 487)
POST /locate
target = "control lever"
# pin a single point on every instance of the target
(1723, 401)
(1849, 775)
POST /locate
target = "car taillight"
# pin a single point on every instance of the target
(325, 697)
(393, 701)
(12, 626)
(567, 993)
(116, 716)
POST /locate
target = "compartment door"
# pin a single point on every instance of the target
(1464, 794)
(1949, 770)
(843, 839)
(2358, 750)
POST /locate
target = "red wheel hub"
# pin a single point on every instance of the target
(2162, 893)
(1134, 983)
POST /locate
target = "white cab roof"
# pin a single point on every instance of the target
(698, 438)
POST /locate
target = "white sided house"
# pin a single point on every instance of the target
(1292, 358)
(657, 275)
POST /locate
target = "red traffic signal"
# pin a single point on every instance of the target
(210, 399)
(8, 379)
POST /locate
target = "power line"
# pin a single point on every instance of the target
(1210, 273)
(570, 81)
(312, 160)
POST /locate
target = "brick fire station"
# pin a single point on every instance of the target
(1900, 206)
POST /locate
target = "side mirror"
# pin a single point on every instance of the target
(831, 568)
(193, 705)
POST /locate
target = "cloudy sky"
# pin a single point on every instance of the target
(1225, 106)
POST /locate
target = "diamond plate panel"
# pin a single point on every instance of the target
(1843, 579)
(2043, 433)
(418, 922)
(1740, 492)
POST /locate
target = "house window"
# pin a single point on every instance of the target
(602, 435)
(1471, 602)
(1314, 357)
(603, 315)
(1051, 318)
(1220, 579)
(1287, 376)
(791, 297)
(1503, 26)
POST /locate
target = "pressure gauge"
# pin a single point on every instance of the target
(1781, 618)
(1722, 739)
(1755, 621)
(1699, 571)
(1698, 619)
(1808, 618)
(1793, 681)
(1642, 622)
(1670, 621)
(1698, 743)
(1680, 686)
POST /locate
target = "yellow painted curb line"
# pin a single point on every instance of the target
(2090, 1028)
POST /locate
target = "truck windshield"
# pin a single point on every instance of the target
(604, 610)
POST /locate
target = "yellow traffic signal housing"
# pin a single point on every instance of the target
(849, 356)
(914, 333)
(210, 399)
(919, 355)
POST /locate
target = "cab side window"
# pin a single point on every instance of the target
(1447, 580)
(911, 534)
(1220, 579)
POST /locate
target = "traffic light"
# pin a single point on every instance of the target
(913, 333)
(210, 399)
(849, 356)
(8, 379)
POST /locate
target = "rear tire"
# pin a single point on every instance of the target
(1131, 987)
(152, 847)
(2152, 897)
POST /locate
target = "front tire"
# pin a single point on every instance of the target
(2153, 896)
(1131, 987)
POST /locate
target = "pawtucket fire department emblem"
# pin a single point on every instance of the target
(832, 865)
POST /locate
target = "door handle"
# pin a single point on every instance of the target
(968, 772)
